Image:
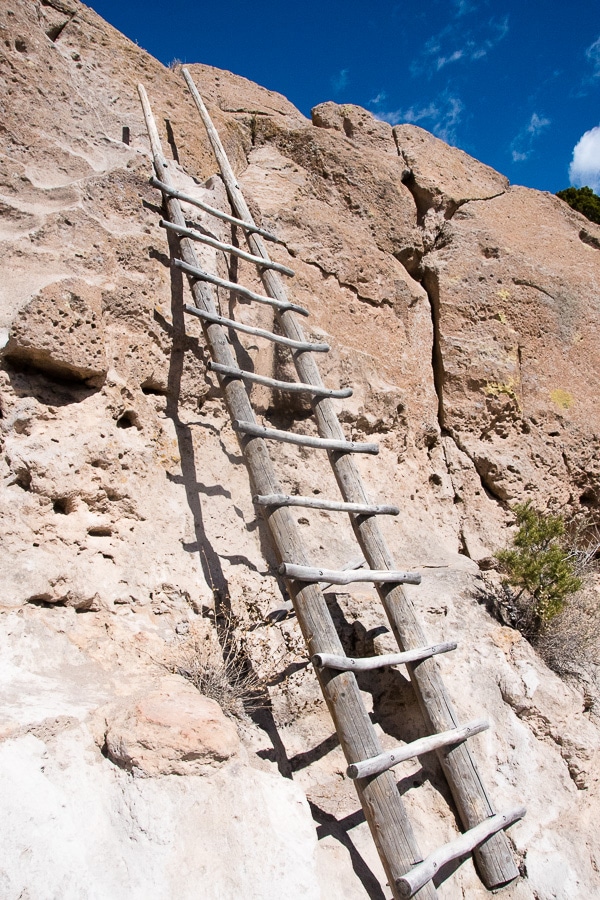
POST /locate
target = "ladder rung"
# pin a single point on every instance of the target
(351, 664)
(293, 387)
(201, 275)
(194, 235)
(336, 576)
(389, 758)
(258, 332)
(303, 440)
(362, 509)
(424, 871)
(247, 226)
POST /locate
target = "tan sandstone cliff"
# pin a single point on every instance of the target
(464, 313)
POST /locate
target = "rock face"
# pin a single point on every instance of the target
(171, 730)
(462, 311)
(61, 332)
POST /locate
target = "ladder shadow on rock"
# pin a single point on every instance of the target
(395, 705)
(407, 873)
(329, 826)
(209, 559)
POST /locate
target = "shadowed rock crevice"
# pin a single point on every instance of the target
(348, 286)
(57, 14)
(431, 287)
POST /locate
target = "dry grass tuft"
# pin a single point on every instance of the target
(570, 643)
(218, 667)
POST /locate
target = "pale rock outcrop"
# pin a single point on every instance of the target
(441, 177)
(514, 296)
(94, 831)
(461, 311)
(61, 331)
(357, 124)
(171, 730)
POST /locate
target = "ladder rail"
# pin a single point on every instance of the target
(381, 802)
(494, 858)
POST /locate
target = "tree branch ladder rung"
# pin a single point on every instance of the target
(461, 846)
(361, 509)
(201, 275)
(384, 761)
(187, 198)
(192, 234)
(367, 663)
(258, 332)
(335, 576)
(303, 440)
(294, 387)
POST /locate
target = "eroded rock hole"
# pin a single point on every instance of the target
(129, 419)
(100, 531)
(152, 388)
(62, 506)
(590, 239)
(43, 600)
(588, 498)
(23, 479)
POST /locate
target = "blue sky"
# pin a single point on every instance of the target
(516, 83)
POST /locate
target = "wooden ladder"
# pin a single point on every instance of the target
(370, 767)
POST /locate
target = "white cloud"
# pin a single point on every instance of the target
(340, 81)
(593, 55)
(441, 116)
(378, 99)
(522, 144)
(537, 124)
(453, 44)
(585, 165)
(463, 7)
(454, 57)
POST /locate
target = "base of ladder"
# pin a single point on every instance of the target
(461, 846)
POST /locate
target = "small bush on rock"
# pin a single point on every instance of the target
(584, 200)
(551, 594)
(540, 564)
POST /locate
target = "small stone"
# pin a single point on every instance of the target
(170, 730)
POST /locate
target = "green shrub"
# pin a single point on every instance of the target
(584, 200)
(540, 564)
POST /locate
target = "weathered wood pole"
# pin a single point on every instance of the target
(494, 858)
(381, 802)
